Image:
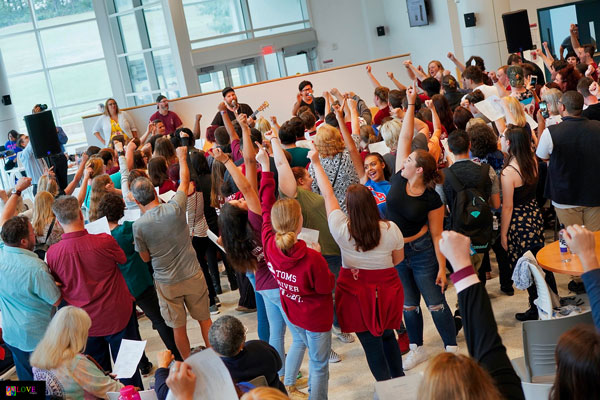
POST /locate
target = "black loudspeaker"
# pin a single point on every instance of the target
(380, 31)
(42, 134)
(517, 32)
(470, 20)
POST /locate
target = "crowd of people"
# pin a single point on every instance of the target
(320, 235)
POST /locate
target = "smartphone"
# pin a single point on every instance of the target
(533, 80)
(544, 109)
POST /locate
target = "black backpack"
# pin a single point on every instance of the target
(471, 214)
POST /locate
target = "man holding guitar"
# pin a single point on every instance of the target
(233, 108)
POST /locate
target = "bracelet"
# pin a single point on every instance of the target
(411, 104)
(228, 159)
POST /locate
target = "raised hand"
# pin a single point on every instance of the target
(272, 134)
(456, 248)
(368, 68)
(23, 183)
(313, 154)
(429, 104)
(411, 94)
(118, 146)
(222, 107)
(198, 117)
(181, 153)
(131, 146)
(219, 155)
(594, 89)
(242, 119)
(450, 55)
(273, 120)
(262, 156)
(390, 75)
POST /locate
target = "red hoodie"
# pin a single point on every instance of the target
(305, 282)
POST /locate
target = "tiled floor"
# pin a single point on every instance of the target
(351, 378)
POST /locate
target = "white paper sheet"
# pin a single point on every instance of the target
(531, 121)
(167, 196)
(403, 388)
(131, 215)
(144, 395)
(379, 147)
(214, 238)
(213, 381)
(130, 354)
(491, 108)
(98, 226)
(310, 236)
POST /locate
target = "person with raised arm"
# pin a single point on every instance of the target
(161, 234)
(447, 375)
(305, 282)
(296, 183)
(369, 293)
(415, 206)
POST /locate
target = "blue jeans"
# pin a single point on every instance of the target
(277, 322)
(418, 273)
(319, 347)
(261, 313)
(21, 359)
(335, 264)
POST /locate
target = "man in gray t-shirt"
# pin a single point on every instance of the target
(162, 235)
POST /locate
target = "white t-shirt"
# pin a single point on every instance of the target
(486, 90)
(378, 258)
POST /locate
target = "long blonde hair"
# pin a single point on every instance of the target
(65, 337)
(47, 184)
(42, 212)
(286, 215)
(458, 377)
(97, 192)
(328, 141)
(516, 109)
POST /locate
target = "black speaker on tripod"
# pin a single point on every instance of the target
(42, 134)
(517, 31)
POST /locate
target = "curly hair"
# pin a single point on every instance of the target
(483, 140)
(570, 77)
(328, 141)
(112, 207)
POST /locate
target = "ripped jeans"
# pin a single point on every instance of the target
(418, 273)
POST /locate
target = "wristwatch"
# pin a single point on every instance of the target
(15, 191)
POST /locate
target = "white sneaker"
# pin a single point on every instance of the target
(345, 337)
(452, 349)
(415, 356)
(334, 357)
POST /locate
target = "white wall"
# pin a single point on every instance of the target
(425, 43)
(346, 31)
(281, 94)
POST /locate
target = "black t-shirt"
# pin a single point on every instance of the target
(592, 112)
(244, 109)
(408, 212)
(311, 106)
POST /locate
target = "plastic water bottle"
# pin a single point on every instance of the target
(129, 393)
(495, 224)
(565, 255)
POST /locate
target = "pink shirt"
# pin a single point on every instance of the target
(86, 265)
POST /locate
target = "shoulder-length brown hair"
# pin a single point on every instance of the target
(577, 365)
(106, 112)
(363, 217)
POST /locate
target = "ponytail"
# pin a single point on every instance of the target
(286, 215)
(285, 241)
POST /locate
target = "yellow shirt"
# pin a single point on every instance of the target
(115, 129)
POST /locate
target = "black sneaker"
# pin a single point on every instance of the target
(147, 369)
(576, 287)
(509, 291)
(457, 321)
(529, 315)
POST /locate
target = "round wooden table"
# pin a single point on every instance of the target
(549, 258)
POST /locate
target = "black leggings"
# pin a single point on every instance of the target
(383, 354)
(213, 267)
(201, 245)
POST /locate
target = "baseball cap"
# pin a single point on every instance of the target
(227, 90)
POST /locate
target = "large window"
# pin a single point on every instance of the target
(47, 46)
(213, 22)
(144, 56)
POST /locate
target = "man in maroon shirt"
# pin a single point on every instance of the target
(169, 118)
(85, 267)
